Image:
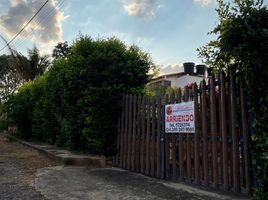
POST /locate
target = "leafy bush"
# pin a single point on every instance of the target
(243, 43)
(3, 124)
(77, 102)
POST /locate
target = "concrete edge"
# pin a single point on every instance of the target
(91, 161)
(200, 191)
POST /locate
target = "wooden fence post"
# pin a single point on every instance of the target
(126, 132)
(224, 131)
(173, 145)
(196, 137)
(167, 140)
(118, 138)
(122, 131)
(234, 134)
(214, 131)
(138, 143)
(129, 132)
(204, 132)
(245, 137)
(158, 143)
(148, 128)
(143, 134)
(152, 148)
(188, 142)
(180, 145)
(133, 149)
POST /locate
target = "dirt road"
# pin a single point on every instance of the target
(23, 172)
(18, 166)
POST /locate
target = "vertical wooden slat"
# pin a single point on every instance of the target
(173, 144)
(148, 133)
(196, 137)
(234, 135)
(118, 145)
(245, 137)
(204, 132)
(152, 153)
(122, 131)
(224, 132)
(167, 141)
(126, 132)
(188, 142)
(219, 142)
(158, 142)
(229, 135)
(180, 150)
(129, 131)
(138, 143)
(143, 135)
(214, 132)
(134, 98)
(163, 139)
(191, 140)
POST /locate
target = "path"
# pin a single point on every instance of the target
(24, 174)
(18, 166)
(80, 183)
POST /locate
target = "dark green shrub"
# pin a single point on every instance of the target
(20, 108)
(77, 102)
(3, 125)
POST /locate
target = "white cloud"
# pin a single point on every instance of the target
(144, 9)
(16, 2)
(46, 27)
(203, 2)
(171, 68)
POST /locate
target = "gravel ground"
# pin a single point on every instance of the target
(18, 165)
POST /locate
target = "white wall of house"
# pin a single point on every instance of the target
(180, 81)
(185, 80)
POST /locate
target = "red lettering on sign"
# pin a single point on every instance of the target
(180, 118)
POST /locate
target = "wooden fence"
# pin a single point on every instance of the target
(215, 156)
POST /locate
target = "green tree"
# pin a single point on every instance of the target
(77, 101)
(9, 78)
(242, 43)
(61, 50)
(32, 66)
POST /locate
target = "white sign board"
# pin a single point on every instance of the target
(179, 118)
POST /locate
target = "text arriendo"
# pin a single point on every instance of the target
(179, 118)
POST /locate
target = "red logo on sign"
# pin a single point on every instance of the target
(169, 110)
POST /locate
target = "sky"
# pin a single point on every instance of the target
(169, 30)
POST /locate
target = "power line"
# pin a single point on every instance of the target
(47, 15)
(25, 25)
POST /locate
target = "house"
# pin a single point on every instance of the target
(192, 73)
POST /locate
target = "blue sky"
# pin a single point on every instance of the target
(171, 35)
(170, 30)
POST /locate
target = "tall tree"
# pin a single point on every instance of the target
(61, 50)
(242, 43)
(9, 78)
(31, 67)
(81, 95)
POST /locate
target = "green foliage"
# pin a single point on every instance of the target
(20, 107)
(29, 68)
(9, 78)
(243, 43)
(3, 120)
(159, 91)
(61, 50)
(77, 102)
(17, 68)
(3, 125)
